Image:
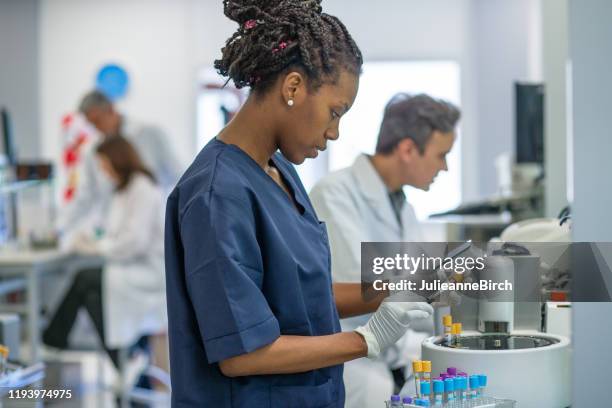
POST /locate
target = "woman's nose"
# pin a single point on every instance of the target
(332, 134)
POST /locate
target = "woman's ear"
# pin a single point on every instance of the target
(293, 89)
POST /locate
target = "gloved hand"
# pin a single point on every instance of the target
(390, 322)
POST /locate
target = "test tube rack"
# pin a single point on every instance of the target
(482, 402)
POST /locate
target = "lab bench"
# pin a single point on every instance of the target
(22, 269)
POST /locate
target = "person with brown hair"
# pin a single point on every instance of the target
(125, 299)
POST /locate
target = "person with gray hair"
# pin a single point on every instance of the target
(92, 197)
(366, 203)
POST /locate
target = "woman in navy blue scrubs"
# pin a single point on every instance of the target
(253, 315)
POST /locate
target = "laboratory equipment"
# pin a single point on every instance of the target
(417, 369)
(438, 393)
(426, 371)
(443, 393)
(10, 331)
(462, 388)
(558, 318)
(506, 357)
(447, 321)
(449, 390)
(482, 381)
(4, 352)
(456, 335)
(474, 386)
(396, 402)
(425, 390)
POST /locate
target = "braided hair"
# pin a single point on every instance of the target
(276, 36)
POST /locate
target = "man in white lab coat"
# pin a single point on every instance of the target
(366, 202)
(93, 194)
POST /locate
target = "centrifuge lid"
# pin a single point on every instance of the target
(496, 341)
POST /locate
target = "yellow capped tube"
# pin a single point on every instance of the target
(4, 352)
(447, 322)
(417, 369)
(456, 333)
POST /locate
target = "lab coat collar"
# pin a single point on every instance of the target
(372, 185)
(374, 190)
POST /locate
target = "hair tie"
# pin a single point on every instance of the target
(252, 23)
(281, 46)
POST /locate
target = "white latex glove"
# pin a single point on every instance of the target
(390, 322)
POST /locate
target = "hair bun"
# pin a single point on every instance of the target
(242, 11)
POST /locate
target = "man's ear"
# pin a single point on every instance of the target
(407, 150)
(293, 88)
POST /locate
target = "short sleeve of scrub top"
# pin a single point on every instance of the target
(226, 260)
(243, 267)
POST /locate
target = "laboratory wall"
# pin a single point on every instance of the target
(590, 92)
(162, 43)
(19, 72)
(554, 67)
(506, 41)
(153, 40)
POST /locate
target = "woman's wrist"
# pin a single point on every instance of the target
(363, 349)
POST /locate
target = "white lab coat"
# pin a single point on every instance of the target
(133, 289)
(354, 202)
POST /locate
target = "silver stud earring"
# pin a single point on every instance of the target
(290, 102)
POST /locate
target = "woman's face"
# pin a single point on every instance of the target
(315, 116)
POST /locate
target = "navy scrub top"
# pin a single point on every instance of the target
(244, 266)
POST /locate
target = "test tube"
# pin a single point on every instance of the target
(474, 384)
(452, 371)
(425, 390)
(4, 352)
(417, 369)
(482, 382)
(456, 334)
(447, 322)
(449, 390)
(426, 372)
(438, 392)
(462, 388)
(406, 401)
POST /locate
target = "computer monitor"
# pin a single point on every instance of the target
(529, 112)
(8, 145)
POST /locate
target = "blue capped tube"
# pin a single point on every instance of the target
(396, 402)
(406, 401)
(461, 388)
(425, 389)
(449, 390)
(482, 382)
(438, 392)
(474, 385)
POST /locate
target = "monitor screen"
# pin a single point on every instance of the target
(7, 144)
(529, 123)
